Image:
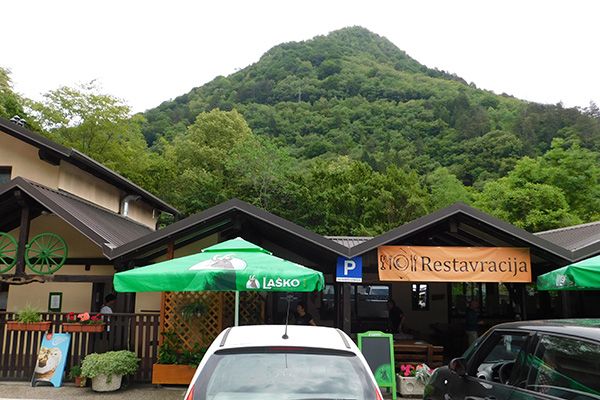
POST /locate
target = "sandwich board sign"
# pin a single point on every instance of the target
(349, 269)
(52, 359)
(378, 349)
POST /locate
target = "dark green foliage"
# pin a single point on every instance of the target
(171, 351)
(346, 134)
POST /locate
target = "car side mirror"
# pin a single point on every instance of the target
(458, 366)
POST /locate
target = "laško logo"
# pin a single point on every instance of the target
(253, 283)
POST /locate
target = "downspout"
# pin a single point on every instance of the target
(125, 203)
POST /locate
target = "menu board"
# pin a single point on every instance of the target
(378, 349)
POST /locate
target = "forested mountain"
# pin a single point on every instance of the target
(343, 134)
(354, 93)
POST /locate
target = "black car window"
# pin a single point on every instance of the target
(283, 373)
(498, 354)
(567, 368)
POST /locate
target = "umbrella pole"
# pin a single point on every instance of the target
(236, 318)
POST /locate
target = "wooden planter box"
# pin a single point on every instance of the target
(77, 327)
(172, 374)
(28, 326)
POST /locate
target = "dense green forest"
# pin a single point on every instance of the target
(343, 134)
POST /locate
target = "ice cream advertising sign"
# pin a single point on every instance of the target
(52, 359)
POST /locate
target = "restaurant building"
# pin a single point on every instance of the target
(93, 222)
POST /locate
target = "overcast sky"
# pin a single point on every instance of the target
(146, 52)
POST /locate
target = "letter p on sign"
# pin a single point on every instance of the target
(349, 270)
(349, 265)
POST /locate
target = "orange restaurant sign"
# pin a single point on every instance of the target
(454, 264)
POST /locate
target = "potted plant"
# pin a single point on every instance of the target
(107, 369)
(176, 366)
(28, 319)
(83, 323)
(411, 380)
(195, 309)
(75, 374)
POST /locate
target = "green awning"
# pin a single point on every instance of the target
(583, 275)
(234, 265)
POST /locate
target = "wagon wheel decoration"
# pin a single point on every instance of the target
(46, 253)
(8, 252)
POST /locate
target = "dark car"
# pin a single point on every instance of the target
(525, 360)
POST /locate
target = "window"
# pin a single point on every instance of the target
(5, 174)
(566, 368)
(370, 301)
(420, 297)
(495, 299)
(498, 354)
(283, 373)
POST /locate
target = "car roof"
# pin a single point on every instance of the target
(584, 328)
(298, 336)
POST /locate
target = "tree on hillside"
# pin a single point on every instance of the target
(558, 189)
(445, 189)
(96, 124)
(342, 197)
(11, 104)
(218, 158)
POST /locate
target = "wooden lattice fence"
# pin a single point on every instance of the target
(218, 314)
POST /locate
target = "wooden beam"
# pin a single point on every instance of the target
(12, 279)
(88, 261)
(23, 234)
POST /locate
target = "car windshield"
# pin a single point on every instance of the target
(283, 373)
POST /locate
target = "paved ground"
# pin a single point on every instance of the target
(23, 390)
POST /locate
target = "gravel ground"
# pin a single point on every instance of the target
(23, 390)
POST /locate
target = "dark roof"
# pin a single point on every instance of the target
(584, 328)
(105, 228)
(580, 239)
(223, 210)
(460, 209)
(82, 161)
(349, 241)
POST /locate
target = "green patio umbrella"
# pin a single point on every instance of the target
(583, 275)
(234, 265)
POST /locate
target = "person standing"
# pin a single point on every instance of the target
(472, 321)
(302, 317)
(107, 308)
(109, 302)
(395, 317)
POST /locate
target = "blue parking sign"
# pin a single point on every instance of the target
(349, 269)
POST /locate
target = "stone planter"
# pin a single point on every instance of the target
(409, 386)
(102, 383)
(77, 327)
(172, 374)
(42, 326)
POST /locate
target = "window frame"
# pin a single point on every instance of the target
(414, 296)
(488, 344)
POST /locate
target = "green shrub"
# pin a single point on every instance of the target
(110, 363)
(171, 351)
(29, 314)
(75, 371)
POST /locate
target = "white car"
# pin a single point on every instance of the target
(256, 362)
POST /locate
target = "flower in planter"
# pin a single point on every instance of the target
(407, 370)
(423, 373)
(83, 317)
